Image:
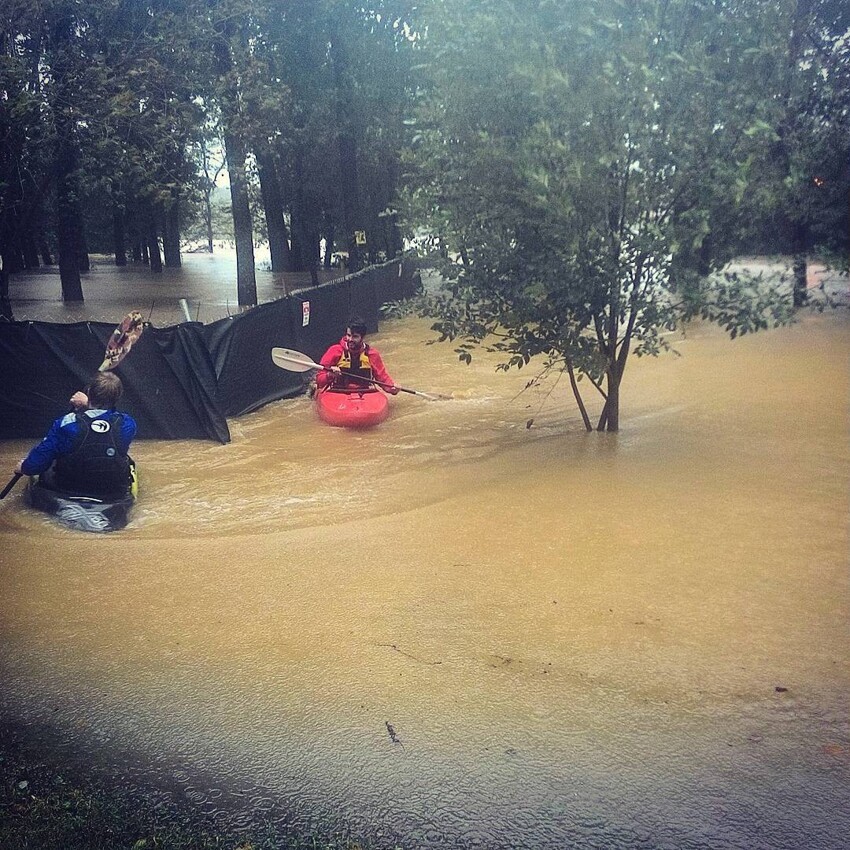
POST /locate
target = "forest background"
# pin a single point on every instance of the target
(579, 172)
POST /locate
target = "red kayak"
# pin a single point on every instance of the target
(352, 408)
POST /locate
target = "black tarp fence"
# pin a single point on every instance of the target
(184, 381)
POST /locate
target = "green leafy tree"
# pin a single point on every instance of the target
(581, 166)
(335, 146)
(26, 149)
(800, 171)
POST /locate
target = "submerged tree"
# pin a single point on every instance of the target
(582, 166)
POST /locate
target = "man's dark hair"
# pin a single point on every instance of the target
(104, 391)
(357, 325)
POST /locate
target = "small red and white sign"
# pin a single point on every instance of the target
(305, 313)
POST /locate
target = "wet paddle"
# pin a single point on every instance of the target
(122, 340)
(10, 485)
(295, 361)
(119, 345)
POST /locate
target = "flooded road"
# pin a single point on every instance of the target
(455, 631)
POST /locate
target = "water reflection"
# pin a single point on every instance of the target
(633, 640)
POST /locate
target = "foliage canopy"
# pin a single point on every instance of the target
(584, 166)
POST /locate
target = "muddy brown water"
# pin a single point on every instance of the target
(615, 641)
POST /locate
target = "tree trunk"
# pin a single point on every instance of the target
(44, 250)
(66, 229)
(306, 218)
(14, 257)
(171, 235)
(30, 250)
(796, 217)
(274, 210)
(5, 302)
(153, 246)
(246, 279)
(302, 253)
(329, 243)
(297, 250)
(610, 418)
(395, 241)
(347, 144)
(83, 260)
(234, 151)
(577, 395)
(350, 198)
(798, 247)
(208, 218)
(119, 242)
(60, 25)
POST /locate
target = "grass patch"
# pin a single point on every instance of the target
(40, 809)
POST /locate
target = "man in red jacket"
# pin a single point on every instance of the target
(352, 358)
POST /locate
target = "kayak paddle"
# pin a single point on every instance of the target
(119, 345)
(10, 485)
(295, 361)
(122, 340)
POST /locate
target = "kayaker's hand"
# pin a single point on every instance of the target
(18, 470)
(335, 369)
(392, 390)
(79, 400)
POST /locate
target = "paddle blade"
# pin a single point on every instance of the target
(122, 340)
(292, 361)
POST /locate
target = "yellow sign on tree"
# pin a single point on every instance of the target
(359, 237)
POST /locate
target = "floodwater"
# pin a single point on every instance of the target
(458, 631)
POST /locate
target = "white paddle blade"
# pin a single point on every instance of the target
(292, 361)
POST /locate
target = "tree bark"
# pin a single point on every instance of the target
(395, 241)
(44, 250)
(119, 241)
(297, 249)
(305, 230)
(83, 259)
(796, 221)
(66, 212)
(347, 144)
(799, 235)
(171, 234)
(62, 96)
(329, 243)
(274, 210)
(30, 250)
(577, 395)
(5, 302)
(153, 245)
(208, 219)
(609, 419)
(246, 279)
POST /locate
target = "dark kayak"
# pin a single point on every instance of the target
(83, 513)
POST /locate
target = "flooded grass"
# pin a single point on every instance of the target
(43, 809)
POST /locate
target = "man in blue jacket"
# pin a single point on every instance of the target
(85, 452)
